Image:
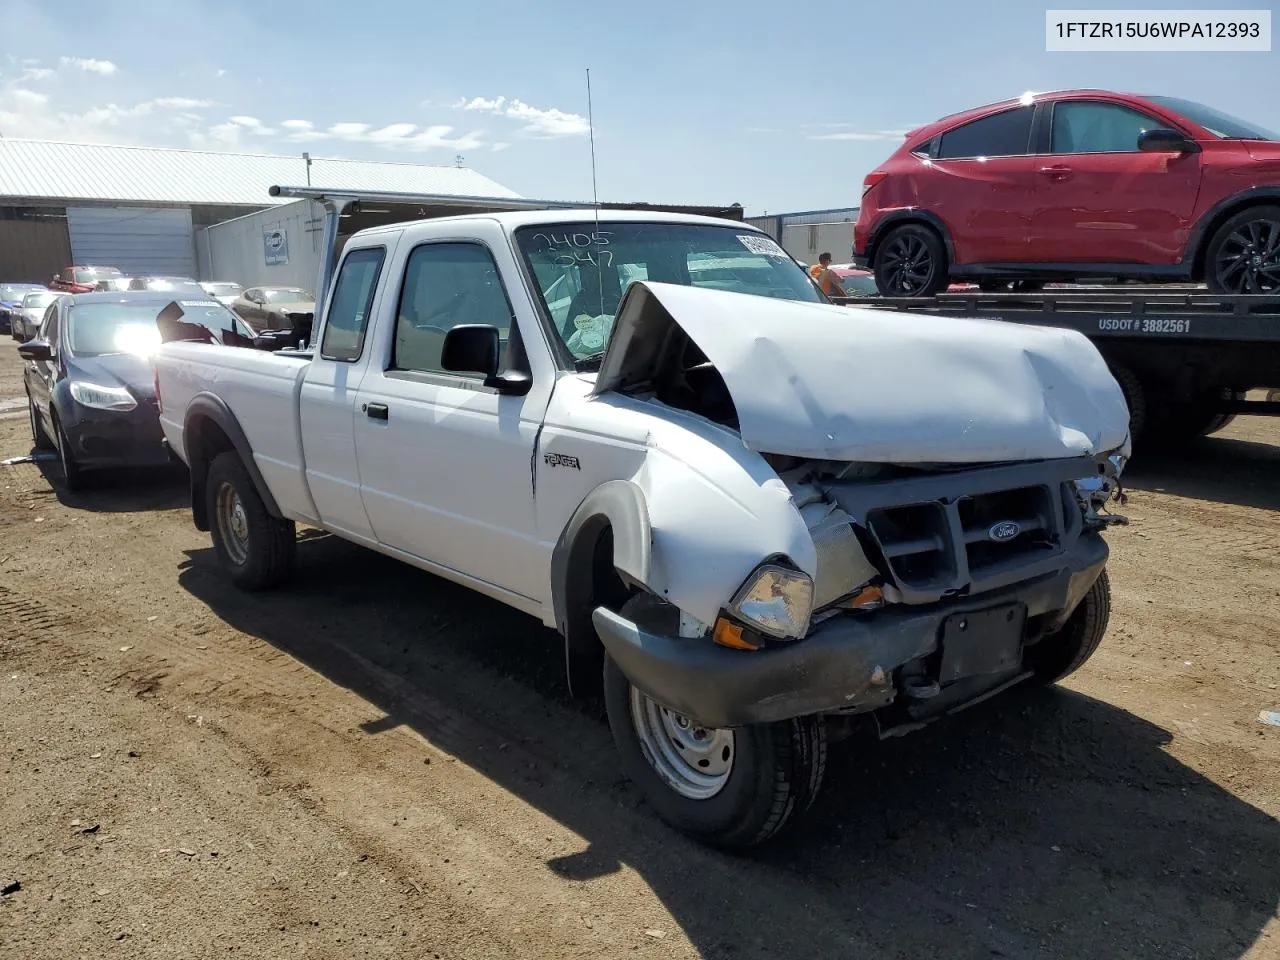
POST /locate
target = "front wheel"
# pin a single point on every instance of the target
(733, 787)
(39, 438)
(72, 473)
(911, 262)
(1062, 653)
(1244, 255)
(256, 549)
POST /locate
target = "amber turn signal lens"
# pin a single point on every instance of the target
(866, 598)
(729, 634)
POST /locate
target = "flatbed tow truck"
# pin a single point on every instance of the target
(1185, 359)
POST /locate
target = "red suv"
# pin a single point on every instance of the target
(82, 279)
(1064, 186)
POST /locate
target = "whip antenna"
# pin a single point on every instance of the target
(595, 191)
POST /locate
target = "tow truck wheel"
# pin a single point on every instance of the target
(1064, 652)
(911, 262)
(732, 787)
(255, 548)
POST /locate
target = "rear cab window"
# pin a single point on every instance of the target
(347, 320)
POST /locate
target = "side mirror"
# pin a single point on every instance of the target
(35, 349)
(1163, 140)
(477, 348)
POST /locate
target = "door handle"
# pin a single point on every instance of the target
(376, 411)
(1057, 172)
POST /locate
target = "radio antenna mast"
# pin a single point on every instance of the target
(595, 193)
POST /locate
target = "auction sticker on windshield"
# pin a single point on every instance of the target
(762, 245)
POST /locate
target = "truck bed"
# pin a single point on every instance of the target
(262, 390)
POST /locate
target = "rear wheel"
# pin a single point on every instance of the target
(1244, 255)
(1064, 652)
(911, 262)
(256, 549)
(731, 787)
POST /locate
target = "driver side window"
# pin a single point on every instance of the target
(1090, 126)
(446, 285)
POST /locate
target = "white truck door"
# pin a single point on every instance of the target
(446, 462)
(327, 404)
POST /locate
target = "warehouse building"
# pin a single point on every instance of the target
(809, 233)
(145, 209)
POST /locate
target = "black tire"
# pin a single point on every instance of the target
(1063, 653)
(1244, 254)
(1135, 397)
(911, 262)
(777, 771)
(39, 439)
(72, 472)
(264, 556)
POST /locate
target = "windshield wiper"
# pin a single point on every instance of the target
(589, 362)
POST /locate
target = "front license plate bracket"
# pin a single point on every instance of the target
(982, 642)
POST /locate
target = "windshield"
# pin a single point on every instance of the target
(1221, 125)
(15, 291)
(287, 295)
(581, 272)
(222, 289)
(37, 301)
(98, 329)
(94, 274)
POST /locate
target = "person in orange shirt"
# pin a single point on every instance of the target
(826, 278)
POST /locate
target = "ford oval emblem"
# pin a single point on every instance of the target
(1004, 530)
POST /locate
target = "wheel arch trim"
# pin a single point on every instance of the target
(897, 218)
(207, 409)
(1197, 248)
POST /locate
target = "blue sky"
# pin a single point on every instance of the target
(777, 106)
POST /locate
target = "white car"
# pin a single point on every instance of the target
(746, 511)
(224, 291)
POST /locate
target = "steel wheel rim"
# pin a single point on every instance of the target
(1249, 259)
(233, 524)
(695, 762)
(909, 264)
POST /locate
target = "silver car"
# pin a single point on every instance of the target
(25, 321)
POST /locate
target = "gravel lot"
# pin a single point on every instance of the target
(379, 764)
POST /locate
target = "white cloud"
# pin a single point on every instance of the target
(37, 73)
(178, 103)
(539, 123)
(28, 98)
(499, 147)
(220, 73)
(89, 65)
(859, 135)
(395, 136)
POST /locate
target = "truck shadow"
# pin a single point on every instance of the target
(1045, 823)
(1218, 469)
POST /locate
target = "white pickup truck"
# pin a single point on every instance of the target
(751, 513)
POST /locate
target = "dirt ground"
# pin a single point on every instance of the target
(376, 763)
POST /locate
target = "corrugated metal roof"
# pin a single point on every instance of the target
(45, 170)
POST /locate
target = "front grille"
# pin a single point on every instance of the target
(1031, 508)
(955, 534)
(916, 543)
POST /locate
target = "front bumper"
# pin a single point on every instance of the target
(845, 662)
(116, 438)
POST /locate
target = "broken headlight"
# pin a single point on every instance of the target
(776, 600)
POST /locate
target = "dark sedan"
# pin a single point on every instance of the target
(89, 380)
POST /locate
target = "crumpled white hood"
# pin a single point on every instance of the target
(855, 383)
